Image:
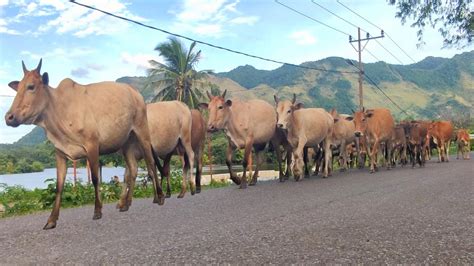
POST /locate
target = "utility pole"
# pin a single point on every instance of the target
(361, 68)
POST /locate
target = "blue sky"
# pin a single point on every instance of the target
(89, 47)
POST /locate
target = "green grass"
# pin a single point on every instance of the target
(20, 201)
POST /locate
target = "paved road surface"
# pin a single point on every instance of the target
(404, 215)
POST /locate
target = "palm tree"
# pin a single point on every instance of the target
(177, 76)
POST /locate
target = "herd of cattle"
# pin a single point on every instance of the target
(79, 121)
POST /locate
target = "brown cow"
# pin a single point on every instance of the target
(80, 125)
(416, 137)
(198, 136)
(167, 132)
(442, 132)
(399, 144)
(306, 128)
(247, 124)
(376, 126)
(342, 135)
(464, 144)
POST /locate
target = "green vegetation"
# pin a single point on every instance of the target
(18, 200)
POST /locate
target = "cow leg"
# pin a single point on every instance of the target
(144, 140)
(278, 154)
(198, 161)
(373, 156)
(305, 160)
(327, 157)
(228, 162)
(342, 151)
(185, 163)
(298, 159)
(131, 172)
(288, 152)
(189, 156)
(448, 145)
(459, 151)
(259, 150)
(61, 169)
(93, 157)
(438, 148)
(166, 175)
(247, 154)
(388, 147)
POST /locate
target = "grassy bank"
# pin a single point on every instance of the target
(17, 200)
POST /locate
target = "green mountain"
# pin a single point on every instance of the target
(427, 89)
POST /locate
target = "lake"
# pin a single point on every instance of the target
(36, 180)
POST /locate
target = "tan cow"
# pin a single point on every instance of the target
(376, 126)
(464, 144)
(399, 146)
(198, 136)
(79, 122)
(342, 135)
(306, 128)
(247, 124)
(170, 127)
(442, 132)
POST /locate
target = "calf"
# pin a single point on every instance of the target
(306, 128)
(376, 126)
(463, 143)
(399, 150)
(442, 132)
(342, 135)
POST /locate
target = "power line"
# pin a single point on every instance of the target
(389, 52)
(313, 19)
(375, 84)
(7, 96)
(339, 17)
(204, 43)
(367, 50)
(348, 8)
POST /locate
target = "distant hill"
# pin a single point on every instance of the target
(424, 88)
(35, 136)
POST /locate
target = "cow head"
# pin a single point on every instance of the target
(360, 121)
(285, 111)
(219, 111)
(31, 97)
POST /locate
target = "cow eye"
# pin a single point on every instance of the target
(30, 87)
(289, 111)
(220, 107)
(363, 119)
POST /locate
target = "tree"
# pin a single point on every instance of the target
(455, 17)
(177, 78)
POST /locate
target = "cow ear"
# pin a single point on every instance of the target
(298, 106)
(336, 119)
(276, 99)
(369, 113)
(203, 105)
(45, 78)
(228, 103)
(349, 118)
(14, 85)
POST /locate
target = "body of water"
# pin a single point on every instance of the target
(36, 180)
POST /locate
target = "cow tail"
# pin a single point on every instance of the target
(157, 161)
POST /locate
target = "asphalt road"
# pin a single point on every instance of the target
(398, 216)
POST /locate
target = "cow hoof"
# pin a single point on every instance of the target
(243, 185)
(181, 195)
(124, 208)
(253, 183)
(282, 180)
(160, 200)
(372, 171)
(97, 216)
(198, 190)
(49, 225)
(168, 195)
(325, 176)
(342, 170)
(235, 179)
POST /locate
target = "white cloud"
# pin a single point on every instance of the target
(209, 18)
(140, 61)
(3, 2)
(59, 52)
(4, 28)
(303, 37)
(76, 20)
(249, 20)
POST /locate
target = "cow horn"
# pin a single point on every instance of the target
(223, 94)
(38, 68)
(209, 95)
(294, 98)
(24, 67)
(352, 110)
(276, 99)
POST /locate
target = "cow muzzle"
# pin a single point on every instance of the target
(11, 120)
(358, 134)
